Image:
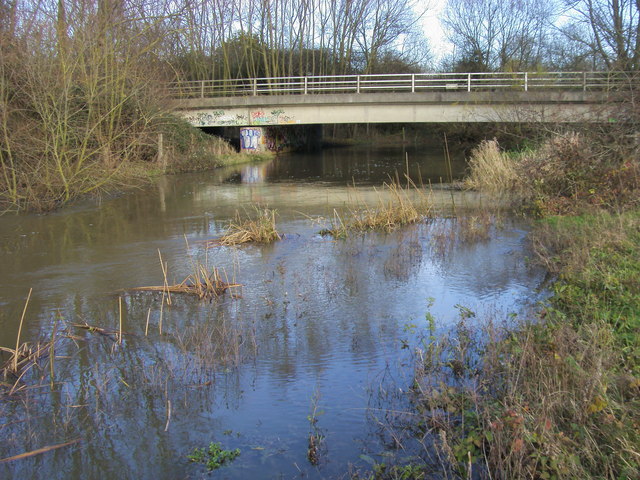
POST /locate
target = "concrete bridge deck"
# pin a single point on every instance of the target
(412, 98)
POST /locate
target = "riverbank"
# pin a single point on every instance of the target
(178, 148)
(559, 396)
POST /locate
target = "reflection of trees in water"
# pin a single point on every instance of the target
(482, 266)
(365, 165)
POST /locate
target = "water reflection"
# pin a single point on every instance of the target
(314, 315)
(362, 164)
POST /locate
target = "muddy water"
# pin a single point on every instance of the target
(311, 343)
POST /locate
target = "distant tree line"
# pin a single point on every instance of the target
(257, 38)
(519, 35)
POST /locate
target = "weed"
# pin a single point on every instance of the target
(213, 457)
(382, 471)
(567, 173)
(316, 438)
(557, 396)
(259, 228)
(395, 207)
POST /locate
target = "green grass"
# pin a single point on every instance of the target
(597, 258)
(558, 396)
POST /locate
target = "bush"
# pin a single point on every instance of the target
(567, 173)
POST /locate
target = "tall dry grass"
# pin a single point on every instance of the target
(395, 207)
(258, 227)
(492, 170)
(566, 173)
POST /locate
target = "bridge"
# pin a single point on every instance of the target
(402, 98)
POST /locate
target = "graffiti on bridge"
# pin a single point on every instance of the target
(250, 138)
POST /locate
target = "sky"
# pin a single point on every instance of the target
(433, 30)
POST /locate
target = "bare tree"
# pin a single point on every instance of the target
(609, 29)
(386, 26)
(498, 34)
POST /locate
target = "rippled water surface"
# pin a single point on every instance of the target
(318, 324)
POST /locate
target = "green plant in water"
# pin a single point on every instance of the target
(213, 457)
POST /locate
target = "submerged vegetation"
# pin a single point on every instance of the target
(395, 207)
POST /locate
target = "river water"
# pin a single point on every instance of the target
(312, 343)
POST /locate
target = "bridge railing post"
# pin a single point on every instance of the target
(413, 83)
(526, 81)
(358, 84)
(255, 87)
(305, 85)
(584, 81)
(202, 89)
(468, 82)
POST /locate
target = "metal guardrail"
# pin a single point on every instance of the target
(418, 82)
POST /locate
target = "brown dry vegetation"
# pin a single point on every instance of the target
(396, 207)
(558, 395)
(567, 173)
(259, 227)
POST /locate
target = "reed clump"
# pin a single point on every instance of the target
(491, 170)
(396, 207)
(257, 228)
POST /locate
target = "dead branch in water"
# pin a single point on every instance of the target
(39, 451)
(202, 284)
(110, 334)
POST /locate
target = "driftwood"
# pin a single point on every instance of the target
(201, 284)
(110, 334)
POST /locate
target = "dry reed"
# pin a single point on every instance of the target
(202, 283)
(492, 170)
(402, 206)
(260, 228)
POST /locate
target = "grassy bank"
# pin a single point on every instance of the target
(557, 396)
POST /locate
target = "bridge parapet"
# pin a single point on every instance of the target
(412, 98)
(418, 82)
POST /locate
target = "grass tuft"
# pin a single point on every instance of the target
(259, 228)
(396, 207)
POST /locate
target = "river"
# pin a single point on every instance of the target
(317, 340)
